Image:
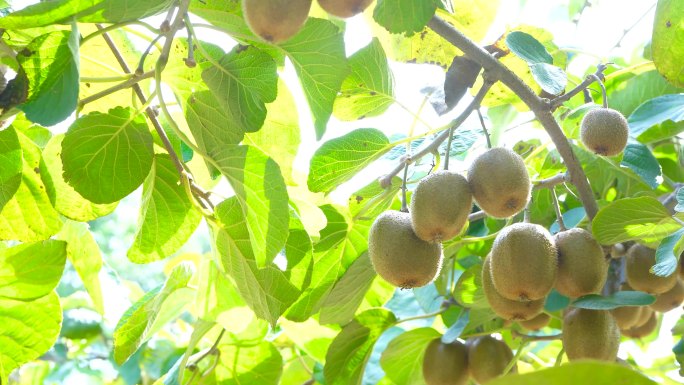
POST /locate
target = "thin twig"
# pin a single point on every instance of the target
(133, 80)
(429, 315)
(484, 128)
(603, 90)
(404, 205)
(580, 87)
(556, 206)
(529, 337)
(630, 28)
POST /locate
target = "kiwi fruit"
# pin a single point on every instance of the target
(275, 20)
(644, 314)
(590, 334)
(582, 266)
(488, 358)
(445, 364)
(440, 206)
(344, 8)
(669, 299)
(524, 262)
(604, 131)
(626, 316)
(640, 259)
(398, 255)
(503, 307)
(499, 182)
(536, 323)
(643, 330)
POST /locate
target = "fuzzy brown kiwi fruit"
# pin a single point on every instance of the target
(669, 299)
(536, 323)
(640, 259)
(506, 308)
(643, 330)
(275, 20)
(626, 316)
(582, 266)
(604, 131)
(398, 255)
(524, 262)
(590, 334)
(488, 358)
(344, 8)
(499, 182)
(445, 364)
(440, 206)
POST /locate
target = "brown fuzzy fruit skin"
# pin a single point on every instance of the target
(344, 8)
(488, 358)
(644, 315)
(670, 299)
(536, 323)
(604, 131)
(643, 330)
(582, 267)
(524, 262)
(499, 182)
(276, 20)
(503, 307)
(626, 316)
(398, 255)
(445, 364)
(590, 334)
(440, 206)
(640, 259)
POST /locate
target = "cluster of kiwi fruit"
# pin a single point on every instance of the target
(405, 248)
(278, 20)
(604, 131)
(483, 358)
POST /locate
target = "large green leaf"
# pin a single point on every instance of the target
(667, 254)
(10, 158)
(351, 349)
(347, 294)
(644, 219)
(51, 65)
(618, 299)
(402, 360)
(118, 11)
(528, 48)
(668, 41)
(595, 373)
(243, 81)
(404, 16)
(31, 270)
(604, 175)
(629, 90)
(107, 156)
(151, 312)
(28, 331)
(67, 201)
(259, 364)
(167, 217)
(317, 53)
(369, 90)
(641, 160)
(656, 111)
(84, 254)
(339, 159)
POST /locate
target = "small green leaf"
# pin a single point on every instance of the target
(404, 16)
(29, 330)
(167, 217)
(261, 364)
(468, 290)
(618, 299)
(667, 254)
(10, 158)
(346, 296)
(402, 360)
(107, 156)
(680, 200)
(552, 79)
(528, 48)
(455, 330)
(119, 11)
(81, 323)
(372, 199)
(668, 34)
(350, 350)
(556, 301)
(339, 159)
(656, 111)
(641, 160)
(595, 373)
(31, 270)
(630, 219)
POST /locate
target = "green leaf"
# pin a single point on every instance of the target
(167, 217)
(667, 254)
(339, 159)
(259, 365)
(668, 35)
(404, 16)
(644, 219)
(119, 11)
(51, 65)
(631, 89)
(455, 330)
(350, 350)
(309, 336)
(552, 79)
(29, 216)
(145, 317)
(372, 199)
(107, 156)
(10, 158)
(81, 323)
(656, 111)
(556, 301)
(595, 373)
(29, 330)
(84, 254)
(369, 90)
(604, 175)
(402, 360)
(468, 290)
(347, 294)
(615, 300)
(67, 201)
(243, 81)
(528, 48)
(641, 160)
(335, 230)
(31, 270)
(680, 200)
(318, 55)
(261, 191)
